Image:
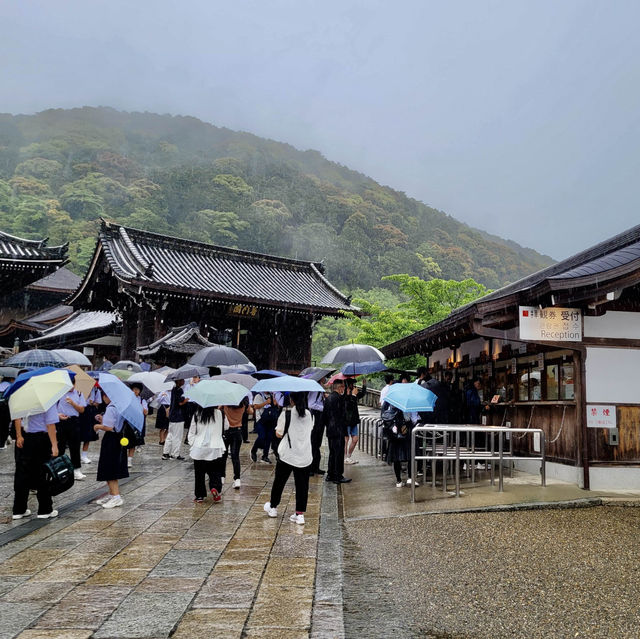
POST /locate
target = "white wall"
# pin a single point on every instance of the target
(613, 324)
(613, 375)
(440, 356)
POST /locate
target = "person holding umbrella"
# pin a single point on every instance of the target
(112, 463)
(70, 407)
(207, 451)
(295, 456)
(5, 418)
(173, 441)
(136, 387)
(335, 421)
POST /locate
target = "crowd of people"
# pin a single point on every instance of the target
(290, 428)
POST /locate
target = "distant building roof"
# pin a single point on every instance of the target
(185, 340)
(141, 259)
(50, 315)
(23, 261)
(62, 280)
(78, 326)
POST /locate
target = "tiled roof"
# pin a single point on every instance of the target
(18, 249)
(170, 264)
(61, 280)
(181, 339)
(79, 322)
(51, 314)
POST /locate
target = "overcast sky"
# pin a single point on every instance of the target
(520, 118)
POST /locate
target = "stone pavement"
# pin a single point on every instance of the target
(163, 566)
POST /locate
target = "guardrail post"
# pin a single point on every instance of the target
(500, 469)
(412, 461)
(457, 463)
(543, 470)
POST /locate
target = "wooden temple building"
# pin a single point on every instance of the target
(558, 350)
(264, 305)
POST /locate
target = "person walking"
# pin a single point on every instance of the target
(163, 400)
(398, 435)
(36, 444)
(316, 406)
(234, 415)
(295, 456)
(352, 421)
(173, 442)
(265, 427)
(70, 406)
(112, 463)
(207, 451)
(334, 419)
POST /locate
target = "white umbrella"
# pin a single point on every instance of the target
(72, 357)
(152, 380)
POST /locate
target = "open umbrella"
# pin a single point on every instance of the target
(216, 392)
(218, 355)
(70, 356)
(39, 393)
(247, 381)
(318, 375)
(337, 376)
(363, 368)
(121, 373)
(36, 358)
(84, 382)
(152, 380)
(123, 398)
(127, 365)
(287, 383)
(164, 370)
(411, 398)
(266, 373)
(187, 371)
(9, 372)
(353, 353)
(23, 378)
(237, 368)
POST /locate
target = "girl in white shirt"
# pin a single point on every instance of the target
(207, 451)
(295, 456)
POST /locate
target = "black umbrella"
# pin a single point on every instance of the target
(187, 371)
(353, 353)
(218, 355)
(316, 373)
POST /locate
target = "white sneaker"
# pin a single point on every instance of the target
(350, 460)
(51, 515)
(26, 513)
(236, 483)
(399, 484)
(78, 475)
(222, 480)
(116, 500)
(86, 460)
(103, 500)
(297, 519)
(272, 512)
(412, 481)
(129, 462)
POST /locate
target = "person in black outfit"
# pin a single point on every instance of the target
(335, 420)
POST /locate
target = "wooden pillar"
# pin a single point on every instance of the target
(140, 332)
(128, 344)
(274, 350)
(580, 394)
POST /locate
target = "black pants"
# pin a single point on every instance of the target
(397, 468)
(245, 427)
(317, 434)
(203, 468)
(30, 460)
(263, 441)
(234, 437)
(301, 479)
(68, 432)
(336, 458)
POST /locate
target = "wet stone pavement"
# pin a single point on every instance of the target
(161, 565)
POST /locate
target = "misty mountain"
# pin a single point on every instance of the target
(61, 170)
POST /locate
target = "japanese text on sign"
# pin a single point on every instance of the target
(243, 310)
(552, 324)
(599, 416)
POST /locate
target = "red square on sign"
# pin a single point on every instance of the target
(525, 313)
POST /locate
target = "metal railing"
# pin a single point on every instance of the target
(443, 449)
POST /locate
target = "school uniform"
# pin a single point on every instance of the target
(176, 424)
(316, 406)
(162, 417)
(5, 416)
(30, 460)
(88, 418)
(208, 452)
(68, 428)
(112, 463)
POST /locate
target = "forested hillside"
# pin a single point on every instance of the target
(61, 170)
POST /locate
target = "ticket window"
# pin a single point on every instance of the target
(567, 389)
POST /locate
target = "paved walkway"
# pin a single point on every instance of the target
(162, 565)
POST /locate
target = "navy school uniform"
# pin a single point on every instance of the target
(112, 463)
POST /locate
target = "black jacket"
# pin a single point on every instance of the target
(335, 415)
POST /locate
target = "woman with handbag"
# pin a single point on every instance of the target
(36, 444)
(294, 456)
(112, 464)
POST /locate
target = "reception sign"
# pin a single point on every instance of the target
(550, 324)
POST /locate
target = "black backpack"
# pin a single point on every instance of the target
(58, 473)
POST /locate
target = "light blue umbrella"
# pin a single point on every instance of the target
(123, 398)
(411, 398)
(363, 368)
(216, 392)
(287, 384)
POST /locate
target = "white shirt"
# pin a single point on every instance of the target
(205, 439)
(295, 446)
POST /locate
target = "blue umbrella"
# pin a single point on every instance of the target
(123, 398)
(287, 383)
(411, 398)
(363, 368)
(36, 358)
(265, 373)
(23, 378)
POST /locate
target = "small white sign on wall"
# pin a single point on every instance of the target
(601, 416)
